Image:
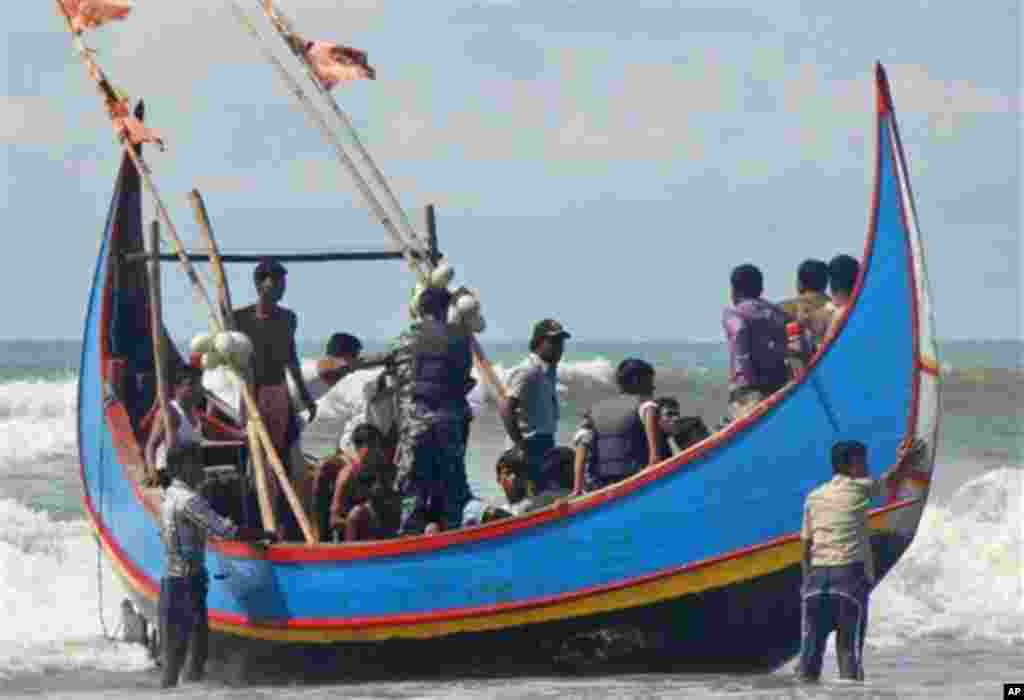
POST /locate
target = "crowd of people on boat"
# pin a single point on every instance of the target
(401, 466)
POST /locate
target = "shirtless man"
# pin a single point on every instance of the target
(271, 327)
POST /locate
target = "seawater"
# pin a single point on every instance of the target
(947, 622)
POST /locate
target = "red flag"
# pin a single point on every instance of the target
(130, 127)
(90, 14)
(335, 64)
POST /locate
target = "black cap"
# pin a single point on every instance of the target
(548, 328)
(343, 344)
(631, 368)
(268, 267)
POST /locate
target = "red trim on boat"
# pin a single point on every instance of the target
(274, 554)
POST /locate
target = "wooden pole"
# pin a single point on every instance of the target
(259, 475)
(483, 365)
(206, 228)
(259, 438)
(256, 421)
(157, 332)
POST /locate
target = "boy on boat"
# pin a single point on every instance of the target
(812, 307)
(532, 411)
(756, 333)
(271, 328)
(837, 562)
(843, 271)
(377, 514)
(186, 520)
(186, 428)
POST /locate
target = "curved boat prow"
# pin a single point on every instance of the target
(924, 423)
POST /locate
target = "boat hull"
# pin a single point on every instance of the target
(695, 560)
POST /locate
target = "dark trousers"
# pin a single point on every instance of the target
(184, 626)
(536, 447)
(835, 598)
(434, 487)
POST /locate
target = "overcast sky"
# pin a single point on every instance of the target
(603, 163)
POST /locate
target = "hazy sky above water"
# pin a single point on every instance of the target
(603, 163)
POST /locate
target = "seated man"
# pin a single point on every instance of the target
(558, 478)
(680, 431)
(512, 474)
(619, 436)
(378, 510)
(367, 442)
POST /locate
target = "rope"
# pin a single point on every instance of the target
(99, 551)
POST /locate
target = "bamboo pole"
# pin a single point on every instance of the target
(157, 332)
(206, 228)
(408, 249)
(259, 437)
(256, 421)
(284, 26)
(110, 97)
(483, 364)
(259, 475)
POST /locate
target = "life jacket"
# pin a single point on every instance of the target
(766, 325)
(620, 442)
(441, 367)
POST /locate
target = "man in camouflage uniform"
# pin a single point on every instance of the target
(432, 362)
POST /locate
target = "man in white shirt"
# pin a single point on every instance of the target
(532, 411)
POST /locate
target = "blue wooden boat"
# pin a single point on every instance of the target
(698, 556)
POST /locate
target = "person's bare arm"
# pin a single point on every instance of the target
(652, 432)
(355, 523)
(579, 465)
(296, 372)
(341, 486)
(510, 419)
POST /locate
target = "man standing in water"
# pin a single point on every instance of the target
(838, 566)
(271, 328)
(186, 520)
(531, 413)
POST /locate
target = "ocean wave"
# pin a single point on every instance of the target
(961, 579)
(963, 576)
(49, 595)
(37, 422)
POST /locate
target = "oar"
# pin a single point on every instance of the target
(157, 331)
(259, 437)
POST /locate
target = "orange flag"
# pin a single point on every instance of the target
(90, 14)
(335, 64)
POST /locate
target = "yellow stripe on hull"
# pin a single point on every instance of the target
(716, 575)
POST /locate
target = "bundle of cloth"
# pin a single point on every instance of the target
(230, 349)
(465, 305)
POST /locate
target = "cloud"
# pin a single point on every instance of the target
(645, 20)
(29, 121)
